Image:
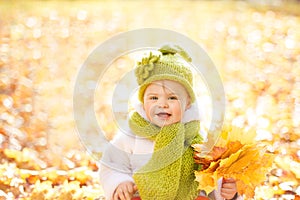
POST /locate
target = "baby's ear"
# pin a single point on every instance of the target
(188, 103)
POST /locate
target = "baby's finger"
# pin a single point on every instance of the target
(121, 195)
(127, 195)
(116, 196)
(130, 188)
(228, 185)
(228, 180)
(227, 190)
(226, 195)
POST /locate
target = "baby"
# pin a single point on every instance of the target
(153, 159)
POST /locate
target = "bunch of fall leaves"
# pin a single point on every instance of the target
(235, 155)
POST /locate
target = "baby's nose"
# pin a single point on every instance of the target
(163, 103)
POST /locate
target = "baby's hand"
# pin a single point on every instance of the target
(229, 188)
(125, 191)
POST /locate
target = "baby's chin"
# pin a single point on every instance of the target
(162, 123)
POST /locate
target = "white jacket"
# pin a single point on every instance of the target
(127, 153)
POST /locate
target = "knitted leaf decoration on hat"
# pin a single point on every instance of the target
(176, 49)
(147, 63)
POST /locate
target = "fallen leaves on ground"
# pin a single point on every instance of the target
(22, 178)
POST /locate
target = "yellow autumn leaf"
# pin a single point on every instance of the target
(246, 189)
(206, 178)
(13, 154)
(232, 147)
(206, 181)
(233, 133)
(239, 161)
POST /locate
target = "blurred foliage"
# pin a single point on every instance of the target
(43, 44)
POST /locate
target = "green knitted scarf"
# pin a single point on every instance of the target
(169, 174)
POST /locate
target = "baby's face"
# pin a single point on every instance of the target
(165, 102)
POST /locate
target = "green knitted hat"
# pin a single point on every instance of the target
(171, 64)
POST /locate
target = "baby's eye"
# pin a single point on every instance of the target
(173, 98)
(153, 98)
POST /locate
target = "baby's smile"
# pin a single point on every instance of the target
(163, 115)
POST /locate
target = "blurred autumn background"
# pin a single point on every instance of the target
(254, 44)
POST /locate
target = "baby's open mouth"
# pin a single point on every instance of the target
(163, 115)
